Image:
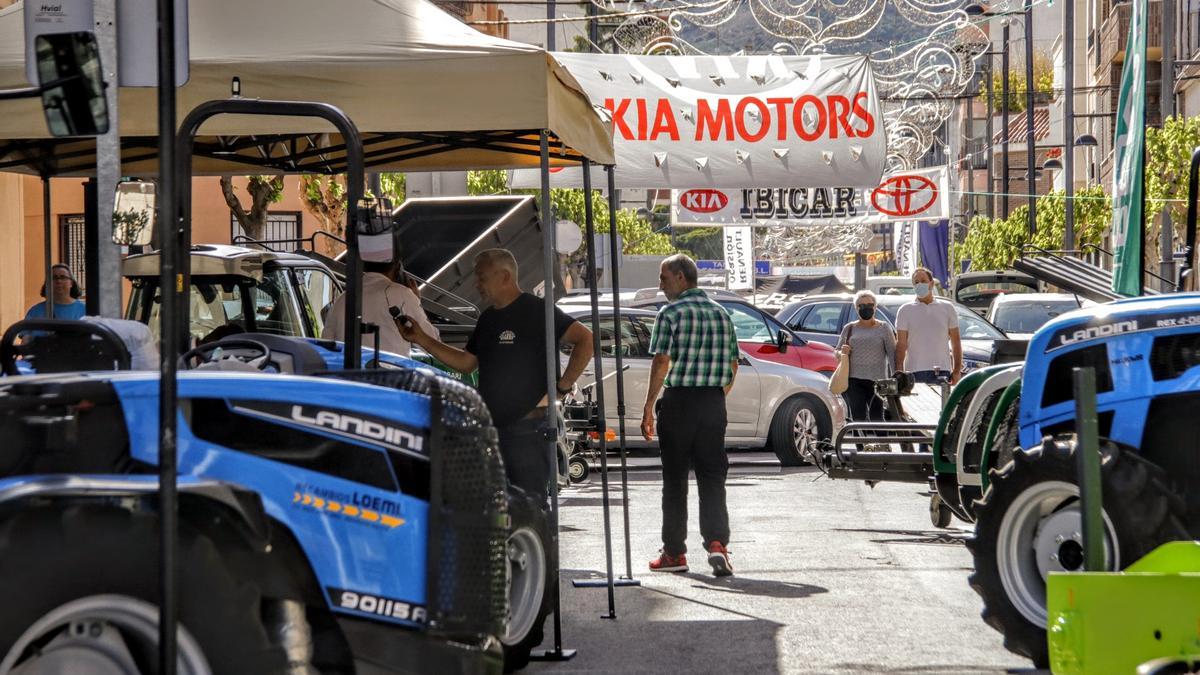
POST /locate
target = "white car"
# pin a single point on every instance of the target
(787, 409)
(1020, 315)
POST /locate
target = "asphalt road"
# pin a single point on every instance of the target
(831, 577)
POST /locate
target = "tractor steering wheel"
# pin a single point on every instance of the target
(241, 350)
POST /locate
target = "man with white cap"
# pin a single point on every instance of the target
(384, 285)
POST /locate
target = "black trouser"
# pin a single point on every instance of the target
(691, 434)
(863, 404)
(526, 453)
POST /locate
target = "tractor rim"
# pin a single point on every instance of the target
(805, 431)
(526, 583)
(98, 634)
(1040, 534)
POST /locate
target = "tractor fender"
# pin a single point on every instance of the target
(968, 452)
(1007, 398)
(257, 548)
(965, 386)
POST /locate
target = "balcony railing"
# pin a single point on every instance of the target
(1115, 29)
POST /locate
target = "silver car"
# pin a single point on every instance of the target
(787, 409)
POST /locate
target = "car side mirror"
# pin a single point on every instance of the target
(133, 214)
(782, 340)
(72, 84)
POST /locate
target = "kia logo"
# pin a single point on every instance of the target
(703, 201)
(904, 196)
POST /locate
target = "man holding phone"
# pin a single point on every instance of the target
(385, 285)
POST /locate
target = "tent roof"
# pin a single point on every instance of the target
(427, 91)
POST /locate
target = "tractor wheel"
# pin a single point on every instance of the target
(532, 578)
(1028, 523)
(578, 469)
(1007, 436)
(940, 515)
(81, 586)
(799, 428)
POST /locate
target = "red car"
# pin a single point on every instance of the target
(762, 336)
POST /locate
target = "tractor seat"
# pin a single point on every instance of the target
(61, 346)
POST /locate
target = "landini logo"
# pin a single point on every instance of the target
(508, 337)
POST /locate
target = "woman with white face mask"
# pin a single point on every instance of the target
(871, 347)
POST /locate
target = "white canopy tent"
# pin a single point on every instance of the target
(427, 91)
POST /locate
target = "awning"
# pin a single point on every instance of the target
(428, 93)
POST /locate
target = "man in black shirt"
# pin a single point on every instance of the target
(508, 347)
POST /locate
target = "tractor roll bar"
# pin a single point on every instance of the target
(176, 285)
(354, 192)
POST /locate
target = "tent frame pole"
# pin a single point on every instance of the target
(614, 258)
(549, 260)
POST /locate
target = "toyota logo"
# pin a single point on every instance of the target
(904, 196)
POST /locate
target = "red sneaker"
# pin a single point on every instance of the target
(718, 557)
(665, 562)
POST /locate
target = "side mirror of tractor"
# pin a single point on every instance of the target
(133, 215)
(72, 84)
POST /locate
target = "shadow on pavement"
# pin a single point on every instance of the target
(936, 537)
(658, 631)
(737, 585)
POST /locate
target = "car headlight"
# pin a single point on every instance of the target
(969, 365)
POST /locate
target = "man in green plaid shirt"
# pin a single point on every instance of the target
(696, 355)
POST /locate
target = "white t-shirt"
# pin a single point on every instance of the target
(378, 294)
(928, 327)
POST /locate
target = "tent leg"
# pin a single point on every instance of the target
(615, 256)
(598, 381)
(549, 259)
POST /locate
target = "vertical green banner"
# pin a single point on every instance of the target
(1129, 165)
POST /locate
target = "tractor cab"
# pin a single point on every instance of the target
(239, 289)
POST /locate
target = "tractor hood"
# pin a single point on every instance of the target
(1117, 318)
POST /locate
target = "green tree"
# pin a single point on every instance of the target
(995, 244)
(703, 243)
(1043, 84)
(1168, 157)
(638, 237)
(263, 191)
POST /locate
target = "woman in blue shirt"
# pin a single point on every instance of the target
(66, 297)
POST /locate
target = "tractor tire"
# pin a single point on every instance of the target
(798, 430)
(1027, 523)
(1007, 438)
(104, 561)
(532, 580)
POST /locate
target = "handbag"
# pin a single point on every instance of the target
(840, 381)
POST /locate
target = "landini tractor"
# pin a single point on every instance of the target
(1003, 452)
(329, 519)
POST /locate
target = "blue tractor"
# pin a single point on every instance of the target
(327, 517)
(1002, 455)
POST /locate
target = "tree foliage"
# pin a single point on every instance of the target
(263, 191)
(325, 197)
(637, 235)
(994, 244)
(1043, 84)
(1168, 156)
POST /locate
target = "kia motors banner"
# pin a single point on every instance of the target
(910, 195)
(733, 121)
(739, 258)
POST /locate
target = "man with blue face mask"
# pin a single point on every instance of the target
(927, 339)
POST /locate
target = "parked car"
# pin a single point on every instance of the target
(977, 289)
(821, 317)
(1020, 315)
(762, 336)
(784, 408)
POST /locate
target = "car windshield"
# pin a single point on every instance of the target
(971, 326)
(1027, 316)
(220, 301)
